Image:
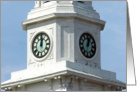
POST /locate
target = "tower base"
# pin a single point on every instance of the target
(64, 76)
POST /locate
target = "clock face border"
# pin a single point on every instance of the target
(50, 49)
(90, 52)
(36, 38)
(79, 51)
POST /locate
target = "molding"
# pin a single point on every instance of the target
(32, 80)
(95, 79)
(68, 71)
(63, 15)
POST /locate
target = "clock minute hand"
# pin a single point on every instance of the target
(88, 42)
(41, 41)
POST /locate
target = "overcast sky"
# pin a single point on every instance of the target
(14, 39)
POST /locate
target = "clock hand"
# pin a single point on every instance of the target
(87, 48)
(88, 42)
(41, 41)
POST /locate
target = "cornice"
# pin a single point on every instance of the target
(63, 15)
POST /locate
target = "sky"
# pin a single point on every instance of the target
(14, 38)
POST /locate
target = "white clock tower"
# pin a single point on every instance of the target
(63, 50)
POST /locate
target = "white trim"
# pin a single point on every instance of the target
(68, 72)
(63, 15)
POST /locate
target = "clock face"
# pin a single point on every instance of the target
(41, 45)
(87, 45)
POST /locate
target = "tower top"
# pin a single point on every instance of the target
(39, 4)
(42, 8)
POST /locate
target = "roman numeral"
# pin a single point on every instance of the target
(47, 41)
(43, 53)
(88, 54)
(47, 46)
(91, 53)
(93, 50)
(81, 41)
(85, 36)
(43, 36)
(39, 37)
(91, 40)
(81, 45)
(34, 44)
(83, 50)
(36, 40)
(36, 53)
(39, 54)
(34, 49)
(46, 37)
(93, 44)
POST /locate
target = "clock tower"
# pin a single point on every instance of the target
(63, 50)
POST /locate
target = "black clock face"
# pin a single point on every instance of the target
(87, 45)
(41, 45)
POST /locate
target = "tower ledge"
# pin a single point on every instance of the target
(99, 22)
(63, 68)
